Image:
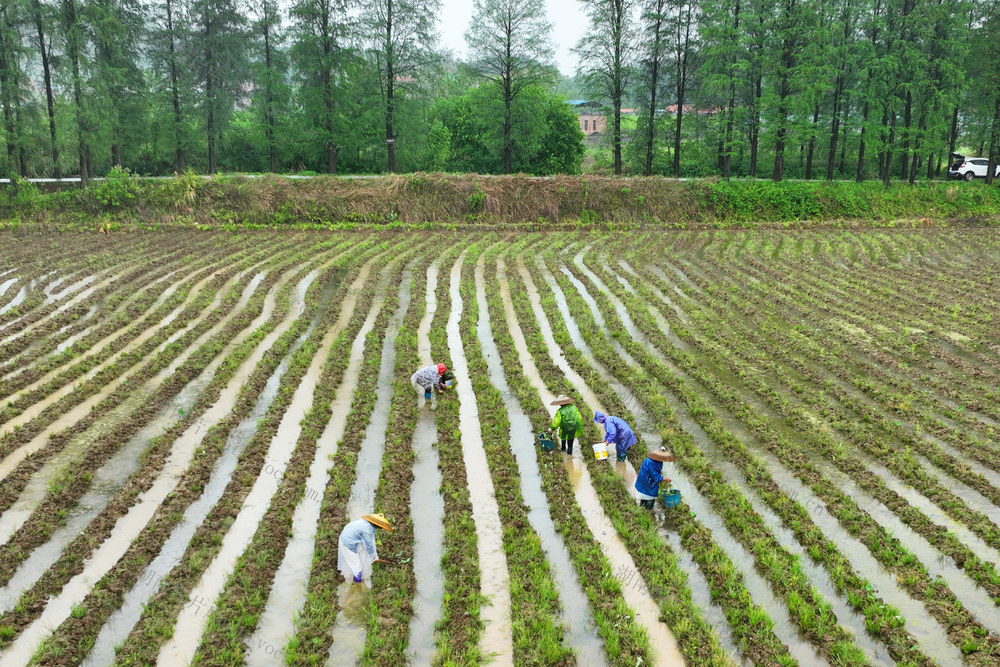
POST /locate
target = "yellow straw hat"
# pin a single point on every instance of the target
(378, 520)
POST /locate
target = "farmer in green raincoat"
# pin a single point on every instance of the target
(569, 422)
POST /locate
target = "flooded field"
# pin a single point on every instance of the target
(188, 421)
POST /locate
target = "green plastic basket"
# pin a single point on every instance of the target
(546, 442)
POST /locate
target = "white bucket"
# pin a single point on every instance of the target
(600, 451)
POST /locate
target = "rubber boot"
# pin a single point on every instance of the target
(647, 503)
(569, 449)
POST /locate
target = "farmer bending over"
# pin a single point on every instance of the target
(616, 432)
(356, 546)
(647, 482)
(430, 378)
(569, 422)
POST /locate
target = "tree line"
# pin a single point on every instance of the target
(860, 89)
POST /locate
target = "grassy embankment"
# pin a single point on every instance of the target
(429, 200)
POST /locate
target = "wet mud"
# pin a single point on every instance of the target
(497, 638)
(426, 506)
(586, 496)
(576, 616)
(287, 596)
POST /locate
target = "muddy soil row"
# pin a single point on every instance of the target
(900, 397)
(769, 387)
(628, 564)
(908, 469)
(399, 594)
(33, 412)
(176, 589)
(94, 418)
(126, 305)
(62, 308)
(165, 537)
(92, 331)
(121, 471)
(757, 475)
(51, 303)
(271, 572)
(323, 586)
(692, 431)
(154, 483)
(742, 523)
(134, 409)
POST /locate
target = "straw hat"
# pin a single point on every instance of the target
(377, 520)
(562, 400)
(662, 455)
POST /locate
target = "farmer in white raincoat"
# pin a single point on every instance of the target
(356, 547)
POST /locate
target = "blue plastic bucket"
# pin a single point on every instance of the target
(546, 442)
(671, 498)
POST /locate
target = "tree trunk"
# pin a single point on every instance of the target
(10, 89)
(994, 141)
(812, 144)
(272, 157)
(507, 149)
(727, 156)
(390, 102)
(907, 126)
(73, 50)
(921, 124)
(36, 9)
(779, 146)
(175, 96)
(887, 165)
(834, 127)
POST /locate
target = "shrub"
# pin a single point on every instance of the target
(118, 189)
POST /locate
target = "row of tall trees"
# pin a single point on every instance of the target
(806, 88)
(819, 88)
(327, 85)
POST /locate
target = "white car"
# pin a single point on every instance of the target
(969, 168)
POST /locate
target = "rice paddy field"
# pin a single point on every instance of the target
(189, 419)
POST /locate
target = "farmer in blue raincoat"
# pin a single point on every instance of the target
(650, 476)
(616, 432)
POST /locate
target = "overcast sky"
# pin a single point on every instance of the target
(566, 16)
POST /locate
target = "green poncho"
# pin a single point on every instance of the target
(569, 422)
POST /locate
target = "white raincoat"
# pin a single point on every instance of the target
(356, 548)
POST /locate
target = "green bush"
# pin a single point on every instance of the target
(118, 188)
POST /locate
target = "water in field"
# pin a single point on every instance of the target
(581, 631)
(287, 596)
(120, 623)
(426, 506)
(598, 522)
(494, 582)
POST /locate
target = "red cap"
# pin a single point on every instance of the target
(441, 369)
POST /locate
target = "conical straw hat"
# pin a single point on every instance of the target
(378, 520)
(661, 455)
(562, 400)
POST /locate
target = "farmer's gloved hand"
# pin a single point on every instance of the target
(357, 578)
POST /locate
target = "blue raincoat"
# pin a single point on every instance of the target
(647, 481)
(616, 431)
